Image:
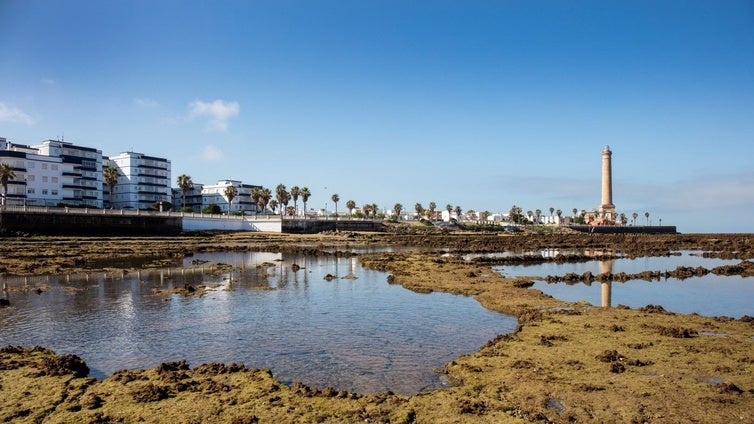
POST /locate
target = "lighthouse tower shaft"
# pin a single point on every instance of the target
(607, 208)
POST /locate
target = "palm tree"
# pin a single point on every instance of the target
(367, 209)
(634, 216)
(419, 209)
(230, 192)
(375, 209)
(335, 198)
(575, 211)
(646, 215)
(256, 196)
(397, 209)
(529, 214)
(458, 212)
(484, 215)
(539, 213)
(350, 205)
(6, 174)
(305, 194)
(623, 219)
(185, 184)
(283, 197)
(273, 205)
(551, 210)
(295, 192)
(265, 197)
(110, 177)
(431, 210)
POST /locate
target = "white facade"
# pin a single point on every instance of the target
(143, 181)
(215, 193)
(53, 173)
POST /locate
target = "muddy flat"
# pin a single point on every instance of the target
(566, 362)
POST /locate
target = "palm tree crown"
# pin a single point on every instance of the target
(230, 192)
(110, 177)
(185, 184)
(6, 174)
(335, 198)
(305, 194)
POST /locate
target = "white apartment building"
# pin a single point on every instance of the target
(193, 198)
(143, 181)
(215, 193)
(53, 173)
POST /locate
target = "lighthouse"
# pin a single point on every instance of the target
(607, 208)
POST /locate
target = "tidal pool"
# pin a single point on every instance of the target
(711, 295)
(355, 332)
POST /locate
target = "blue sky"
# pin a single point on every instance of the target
(481, 104)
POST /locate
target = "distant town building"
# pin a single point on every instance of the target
(143, 181)
(243, 202)
(193, 198)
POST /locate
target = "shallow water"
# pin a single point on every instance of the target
(711, 295)
(352, 334)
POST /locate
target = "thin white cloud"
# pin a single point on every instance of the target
(219, 113)
(47, 81)
(212, 153)
(145, 102)
(14, 115)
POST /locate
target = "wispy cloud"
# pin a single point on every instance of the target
(219, 113)
(212, 153)
(14, 115)
(146, 102)
(47, 81)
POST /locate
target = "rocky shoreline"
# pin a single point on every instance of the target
(566, 362)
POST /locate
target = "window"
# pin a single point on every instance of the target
(30, 191)
(44, 166)
(54, 179)
(44, 178)
(44, 191)
(54, 192)
(54, 167)
(31, 165)
(30, 178)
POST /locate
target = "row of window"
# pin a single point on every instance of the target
(44, 178)
(31, 165)
(44, 192)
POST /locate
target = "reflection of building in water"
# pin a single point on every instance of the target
(607, 292)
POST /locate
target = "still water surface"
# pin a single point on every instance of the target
(354, 334)
(711, 295)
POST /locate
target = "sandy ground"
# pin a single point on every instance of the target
(564, 363)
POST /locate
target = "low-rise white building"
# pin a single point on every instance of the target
(215, 193)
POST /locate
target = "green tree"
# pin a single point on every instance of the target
(6, 174)
(185, 184)
(515, 214)
(551, 210)
(483, 216)
(110, 177)
(273, 205)
(539, 214)
(458, 212)
(230, 193)
(305, 194)
(212, 209)
(634, 216)
(646, 215)
(335, 198)
(295, 193)
(350, 205)
(431, 210)
(419, 209)
(375, 209)
(283, 197)
(265, 197)
(575, 211)
(367, 209)
(256, 197)
(397, 209)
